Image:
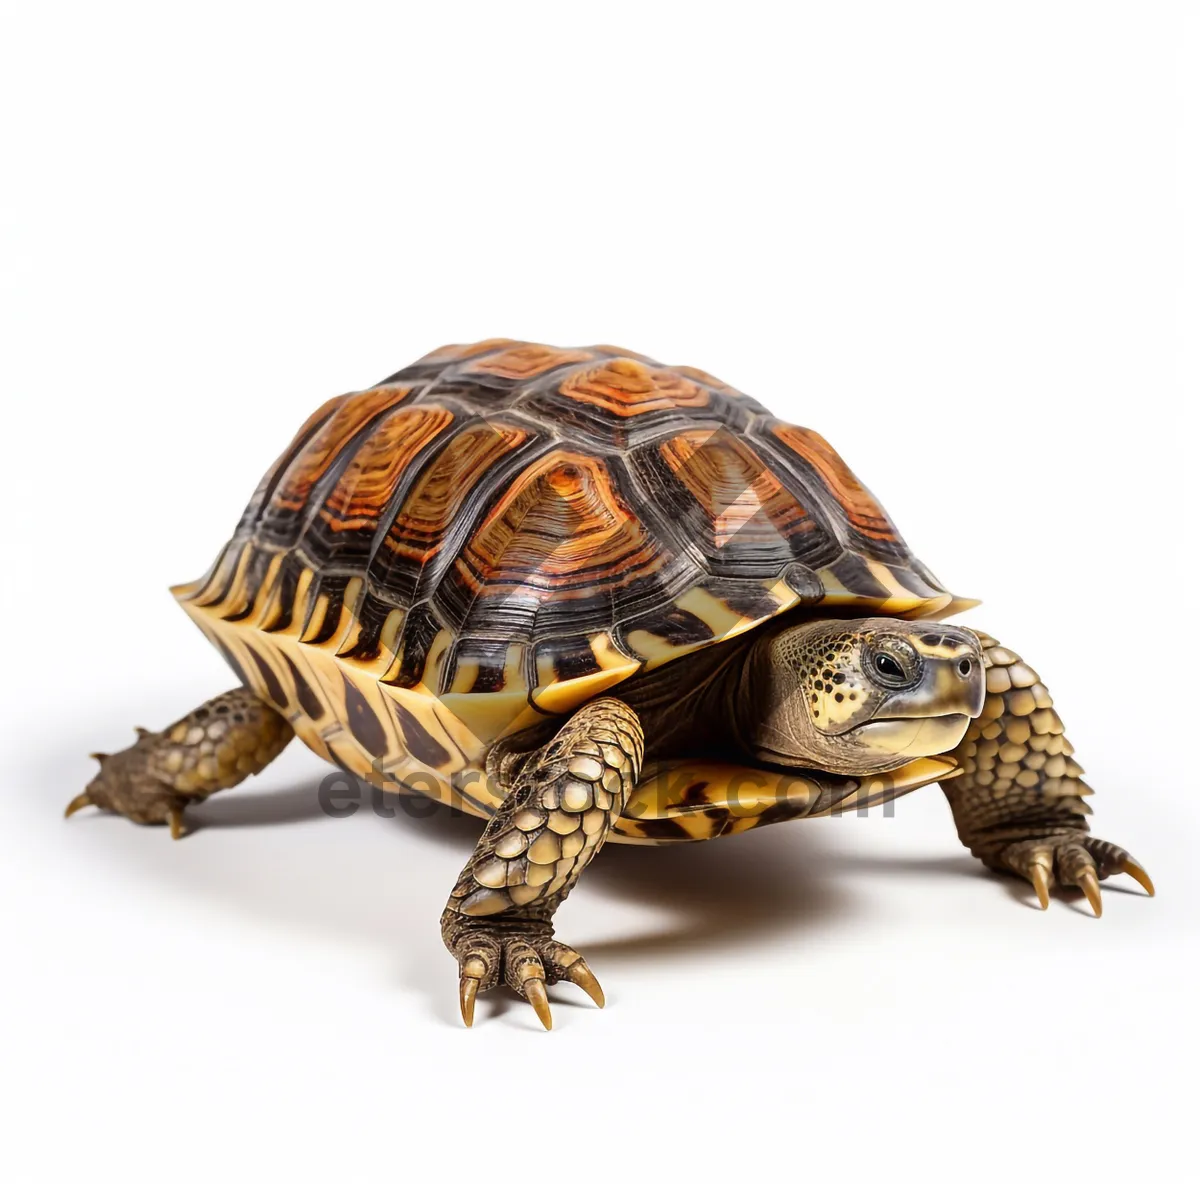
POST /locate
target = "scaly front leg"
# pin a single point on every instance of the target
(1019, 802)
(563, 803)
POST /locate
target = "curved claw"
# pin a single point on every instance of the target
(580, 975)
(1091, 889)
(467, 989)
(1136, 871)
(76, 804)
(535, 992)
(1039, 876)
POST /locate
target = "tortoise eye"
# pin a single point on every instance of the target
(889, 668)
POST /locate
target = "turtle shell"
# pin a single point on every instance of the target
(503, 530)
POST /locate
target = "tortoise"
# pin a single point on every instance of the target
(587, 598)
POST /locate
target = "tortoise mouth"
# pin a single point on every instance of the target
(914, 737)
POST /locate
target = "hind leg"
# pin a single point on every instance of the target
(214, 747)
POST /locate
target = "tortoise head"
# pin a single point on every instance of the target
(859, 696)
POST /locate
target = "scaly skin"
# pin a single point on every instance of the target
(1018, 804)
(214, 747)
(498, 920)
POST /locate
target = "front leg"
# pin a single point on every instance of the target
(563, 802)
(1018, 804)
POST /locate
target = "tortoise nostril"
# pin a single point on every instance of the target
(964, 667)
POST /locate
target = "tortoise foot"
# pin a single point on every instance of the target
(519, 955)
(127, 784)
(215, 746)
(1076, 861)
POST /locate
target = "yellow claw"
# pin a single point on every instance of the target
(1091, 889)
(535, 993)
(1136, 871)
(467, 988)
(1040, 878)
(175, 820)
(580, 975)
(76, 804)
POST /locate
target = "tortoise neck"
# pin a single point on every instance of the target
(699, 705)
(742, 694)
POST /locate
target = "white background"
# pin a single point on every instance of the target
(953, 238)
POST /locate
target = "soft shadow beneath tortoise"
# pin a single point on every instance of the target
(755, 887)
(696, 899)
(758, 886)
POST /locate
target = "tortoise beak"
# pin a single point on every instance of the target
(955, 685)
(908, 738)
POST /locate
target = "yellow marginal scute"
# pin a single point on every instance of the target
(565, 695)
(899, 600)
(262, 602)
(292, 630)
(784, 596)
(718, 616)
(234, 595)
(491, 715)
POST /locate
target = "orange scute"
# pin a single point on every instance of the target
(524, 360)
(861, 508)
(628, 388)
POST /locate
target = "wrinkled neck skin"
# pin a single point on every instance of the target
(688, 707)
(755, 724)
(715, 704)
(710, 704)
